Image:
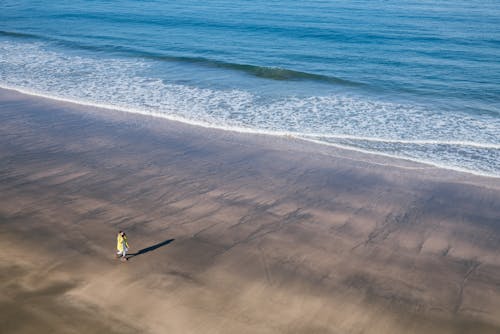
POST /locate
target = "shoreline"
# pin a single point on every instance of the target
(243, 130)
(265, 234)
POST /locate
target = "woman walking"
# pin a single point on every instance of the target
(121, 245)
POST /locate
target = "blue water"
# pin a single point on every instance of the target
(413, 79)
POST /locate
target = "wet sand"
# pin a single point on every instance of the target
(233, 233)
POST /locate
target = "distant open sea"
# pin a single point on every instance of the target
(418, 80)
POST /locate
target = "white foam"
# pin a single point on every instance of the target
(393, 156)
(402, 141)
(393, 130)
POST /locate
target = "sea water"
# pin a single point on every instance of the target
(418, 80)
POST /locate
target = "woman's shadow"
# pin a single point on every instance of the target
(150, 248)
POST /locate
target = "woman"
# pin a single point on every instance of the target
(121, 245)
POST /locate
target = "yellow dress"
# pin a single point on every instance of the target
(120, 242)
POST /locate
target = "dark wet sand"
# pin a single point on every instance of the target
(270, 235)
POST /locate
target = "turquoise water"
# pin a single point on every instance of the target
(413, 79)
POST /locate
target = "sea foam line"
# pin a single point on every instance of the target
(392, 156)
(406, 141)
(243, 130)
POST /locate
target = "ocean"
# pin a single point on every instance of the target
(418, 80)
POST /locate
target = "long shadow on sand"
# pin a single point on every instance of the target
(150, 248)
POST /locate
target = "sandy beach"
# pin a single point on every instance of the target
(231, 232)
